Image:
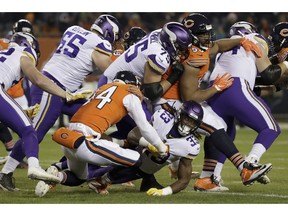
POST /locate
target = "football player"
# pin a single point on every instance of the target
(79, 53)
(240, 100)
(148, 59)
(176, 129)
(195, 67)
(18, 61)
(15, 91)
(83, 143)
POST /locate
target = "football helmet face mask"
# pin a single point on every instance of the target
(26, 40)
(176, 40)
(201, 30)
(189, 117)
(133, 36)
(127, 77)
(278, 38)
(22, 25)
(109, 27)
(242, 28)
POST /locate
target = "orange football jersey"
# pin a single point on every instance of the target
(4, 43)
(198, 55)
(116, 53)
(104, 109)
(16, 90)
(195, 54)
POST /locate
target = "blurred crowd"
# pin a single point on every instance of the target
(54, 24)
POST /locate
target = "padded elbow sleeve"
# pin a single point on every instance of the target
(271, 74)
(153, 91)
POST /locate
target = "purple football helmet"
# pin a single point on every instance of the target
(109, 27)
(278, 38)
(189, 117)
(242, 28)
(26, 40)
(176, 39)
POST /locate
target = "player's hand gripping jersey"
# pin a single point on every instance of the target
(179, 146)
(238, 62)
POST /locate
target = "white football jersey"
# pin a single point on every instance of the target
(148, 49)
(187, 147)
(238, 62)
(72, 61)
(10, 68)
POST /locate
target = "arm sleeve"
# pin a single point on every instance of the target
(135, 110)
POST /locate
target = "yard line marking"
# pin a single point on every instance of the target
(246, 194)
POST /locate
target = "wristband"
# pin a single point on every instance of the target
(167, 191)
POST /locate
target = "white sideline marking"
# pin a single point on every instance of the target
(245, 194)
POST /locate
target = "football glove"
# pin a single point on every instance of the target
(223, 82)
(83, 94)
(32, 111)
(153, 150)
(164, 150)
(159, 192)
(177, 70)
(248, 45)
(282, 55)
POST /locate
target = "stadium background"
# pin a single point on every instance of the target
(48, 28)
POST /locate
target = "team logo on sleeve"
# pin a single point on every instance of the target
(158, 63)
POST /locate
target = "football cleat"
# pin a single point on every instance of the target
(264, 179)
(252, 172)
(7, 182)
(40, 174)
(98, 186)
(209, 184)
(3, 159)
(42, 188)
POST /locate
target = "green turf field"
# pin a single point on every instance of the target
(274, 193)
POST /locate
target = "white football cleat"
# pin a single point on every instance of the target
(264, 180)
(40, 174)
(41, 188)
